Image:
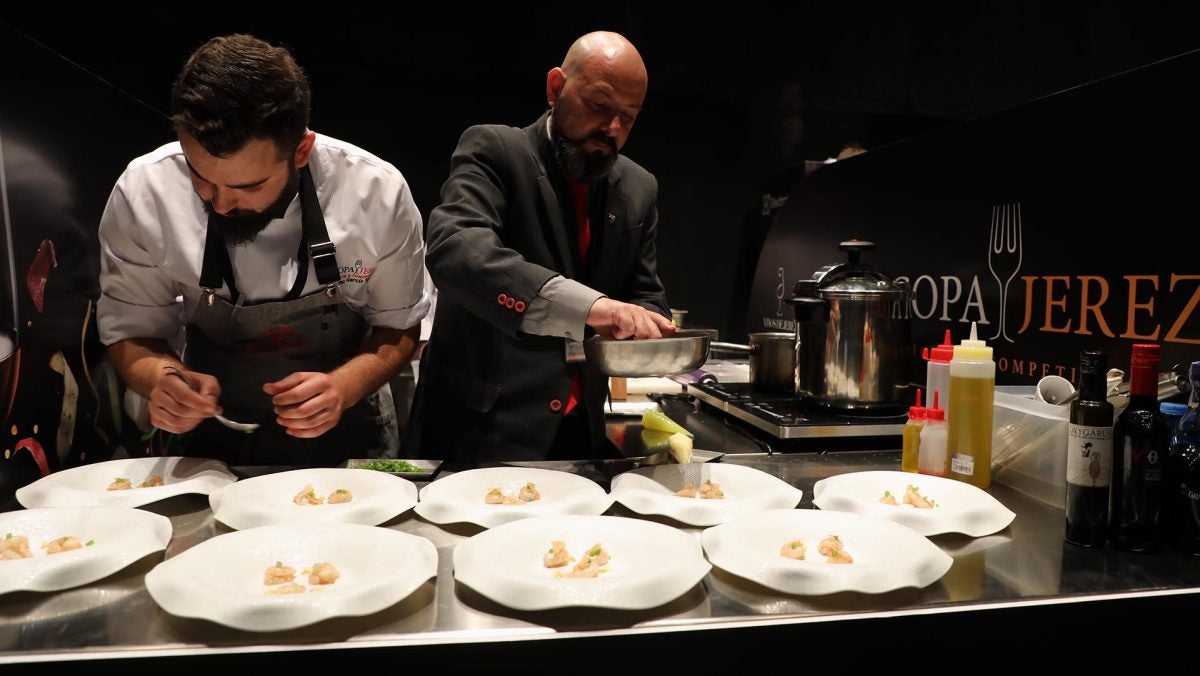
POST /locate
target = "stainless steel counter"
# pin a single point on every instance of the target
(1025, 566)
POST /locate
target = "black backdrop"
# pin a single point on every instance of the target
(740, 93)
(740, 96)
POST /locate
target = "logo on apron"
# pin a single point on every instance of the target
(277, 339)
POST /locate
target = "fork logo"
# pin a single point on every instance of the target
(1004, 255)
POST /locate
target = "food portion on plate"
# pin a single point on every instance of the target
(930, 505)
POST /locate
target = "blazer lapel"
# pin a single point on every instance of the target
(609, 217)
(556, 230)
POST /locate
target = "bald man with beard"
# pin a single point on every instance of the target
(545, 236)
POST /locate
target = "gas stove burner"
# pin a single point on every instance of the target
(790, 417)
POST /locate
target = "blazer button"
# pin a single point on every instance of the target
(510, 302)
(502, 299)
(555, 405)
(520, 307)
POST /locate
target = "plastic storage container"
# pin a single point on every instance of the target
(1029, 444)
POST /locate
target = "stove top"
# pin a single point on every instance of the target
(789, 417)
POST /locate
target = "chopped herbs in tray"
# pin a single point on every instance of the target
(390, 466)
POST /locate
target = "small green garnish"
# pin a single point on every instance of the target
(550, 551)
(390, 466)
(836, 553)
(8, 536)
(796, 544)
(120, 480)
(90, 543)
(341, 490)
(887, 494)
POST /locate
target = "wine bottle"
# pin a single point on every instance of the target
(1140, 440)
(1184, 500)
(1089, 454)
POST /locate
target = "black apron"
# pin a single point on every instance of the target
(247, 345)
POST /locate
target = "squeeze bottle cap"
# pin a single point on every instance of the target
(940, 353)
(972, 348)
(934, 412)
(917, 412)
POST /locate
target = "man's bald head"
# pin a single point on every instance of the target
(605, 52)
(596, 95)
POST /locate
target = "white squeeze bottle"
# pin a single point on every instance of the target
(969, 423)
(937, 370)
(933, 440)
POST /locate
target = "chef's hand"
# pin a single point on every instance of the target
(614, 319)
(307, 404)
(182, 399)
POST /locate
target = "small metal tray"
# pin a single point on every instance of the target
(424, 472)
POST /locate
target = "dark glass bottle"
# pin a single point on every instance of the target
(1140, 440)
(1184, 503)
(1089, 454)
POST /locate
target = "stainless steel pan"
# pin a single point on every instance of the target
(772, 360)
(681, 352)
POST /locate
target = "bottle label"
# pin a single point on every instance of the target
(962, 464)
(1089, 455)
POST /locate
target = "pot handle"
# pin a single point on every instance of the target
(731, 347)
(809, 309)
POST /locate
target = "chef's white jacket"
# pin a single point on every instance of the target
(153, 230)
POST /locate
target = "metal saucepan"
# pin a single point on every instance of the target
(681, 352)
(772, 360)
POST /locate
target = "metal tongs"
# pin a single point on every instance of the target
(231, 424)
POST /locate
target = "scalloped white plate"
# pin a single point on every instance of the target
(87, 486)
(459, 497)
(651, 490)
(221, 579)
(886, 555)
(119, 536)
(961, 507)
(267, 500)
(651, 563)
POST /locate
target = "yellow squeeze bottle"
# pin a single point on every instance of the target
(969, 428)
(910, 452)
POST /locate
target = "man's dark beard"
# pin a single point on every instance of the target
(240, 226)
(578, 164)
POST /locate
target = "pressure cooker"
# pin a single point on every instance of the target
(853, 336)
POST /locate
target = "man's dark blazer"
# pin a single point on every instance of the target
(506, 226)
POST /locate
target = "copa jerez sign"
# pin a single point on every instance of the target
(1053, 225)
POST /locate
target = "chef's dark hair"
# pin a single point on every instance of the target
(236, 89)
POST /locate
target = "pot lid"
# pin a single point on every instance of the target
(852, 277)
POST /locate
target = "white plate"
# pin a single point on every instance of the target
(651, 563)
(651, 490)
(886, 555)
(267, 500)
(87, 486)
(222, 579)
(459, 497)
(119, 537)
(961, 507)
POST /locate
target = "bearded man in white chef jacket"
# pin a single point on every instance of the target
(288, 266)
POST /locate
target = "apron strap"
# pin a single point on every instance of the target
(319, 244)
